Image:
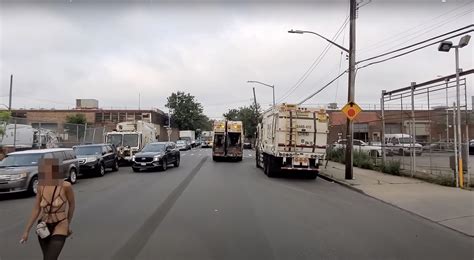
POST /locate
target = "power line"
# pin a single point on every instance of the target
(408, 52)
(315, 63)
(394, 37)
(321, 89)
(418, 43)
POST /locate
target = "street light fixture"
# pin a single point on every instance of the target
(446, 46)
(270, 86)
(319, 35)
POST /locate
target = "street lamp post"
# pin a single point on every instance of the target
(270, 86)
(445, 46)
(351, 83)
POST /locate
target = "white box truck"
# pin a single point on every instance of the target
(292, 138)
(188, 135)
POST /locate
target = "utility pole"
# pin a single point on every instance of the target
(10, 98)
(255, 103)
(351, 88)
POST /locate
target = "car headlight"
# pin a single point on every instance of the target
(91, 159)
(133, 157)
(18, 176)
(156, 157)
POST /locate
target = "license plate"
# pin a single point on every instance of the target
(143, 164)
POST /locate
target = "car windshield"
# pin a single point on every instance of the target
(154, 148)
(17, 160)
(115, 139)
(88, 150)
(130, 140)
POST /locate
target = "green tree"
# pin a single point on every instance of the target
(5, 116)
(186, 112)
(75, 125)
(249, 117)
(79, 119)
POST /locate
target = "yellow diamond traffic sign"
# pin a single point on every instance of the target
(351, 110)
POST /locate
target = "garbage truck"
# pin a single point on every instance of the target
(227, 141)
(130, 137)
(293, 139)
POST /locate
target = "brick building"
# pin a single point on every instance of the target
(106, 118)
(368, 124)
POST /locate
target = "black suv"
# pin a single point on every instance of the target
(156, 155)
(95, 158)
(19, 170)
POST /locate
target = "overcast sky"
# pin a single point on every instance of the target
(112, 51)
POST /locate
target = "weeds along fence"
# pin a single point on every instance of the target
(19, 133)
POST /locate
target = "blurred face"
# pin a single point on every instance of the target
(50, 173)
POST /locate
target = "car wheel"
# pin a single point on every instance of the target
(72, 176)
(165, 165)
(33, 186)
(116, 166)
(101, 170)
(176, 163)
(135, 169)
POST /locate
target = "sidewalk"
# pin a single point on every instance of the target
(447, 206)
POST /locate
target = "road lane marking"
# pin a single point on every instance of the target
(139, 239)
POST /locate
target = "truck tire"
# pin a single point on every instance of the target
(257, 159)
(265, 165)
(239, 159)
(312, 175)
(271, 169)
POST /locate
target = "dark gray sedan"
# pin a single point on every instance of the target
(156, 155)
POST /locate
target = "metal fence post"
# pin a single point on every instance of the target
(382, 135)
(85, 132)
(413, 131)
(455, 146)
(467, 137)
(14, 136)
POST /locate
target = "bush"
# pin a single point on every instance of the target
(336, 155)
(391, 167)
(363, 160)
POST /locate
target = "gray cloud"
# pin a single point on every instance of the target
(113, 51)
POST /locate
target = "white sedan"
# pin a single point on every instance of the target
(359, 145)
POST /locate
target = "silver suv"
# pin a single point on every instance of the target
(19, 170)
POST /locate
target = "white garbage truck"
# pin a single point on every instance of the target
(130, 137)
(292, 138)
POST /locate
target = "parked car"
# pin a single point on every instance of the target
(402, 144)
(156, 155)
(247, 145)
(471, 147)
(183, 145)
(359, 145)
(19, 170)
(95, 158)
(388, 150)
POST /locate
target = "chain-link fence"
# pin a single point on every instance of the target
(19, 134)
(425, 142)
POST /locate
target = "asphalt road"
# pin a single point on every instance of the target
(225, 210)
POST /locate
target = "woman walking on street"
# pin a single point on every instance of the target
(54, 205)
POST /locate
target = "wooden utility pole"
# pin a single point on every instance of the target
(351, 88)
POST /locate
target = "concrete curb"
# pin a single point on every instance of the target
(330, 178)
(347, 185)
